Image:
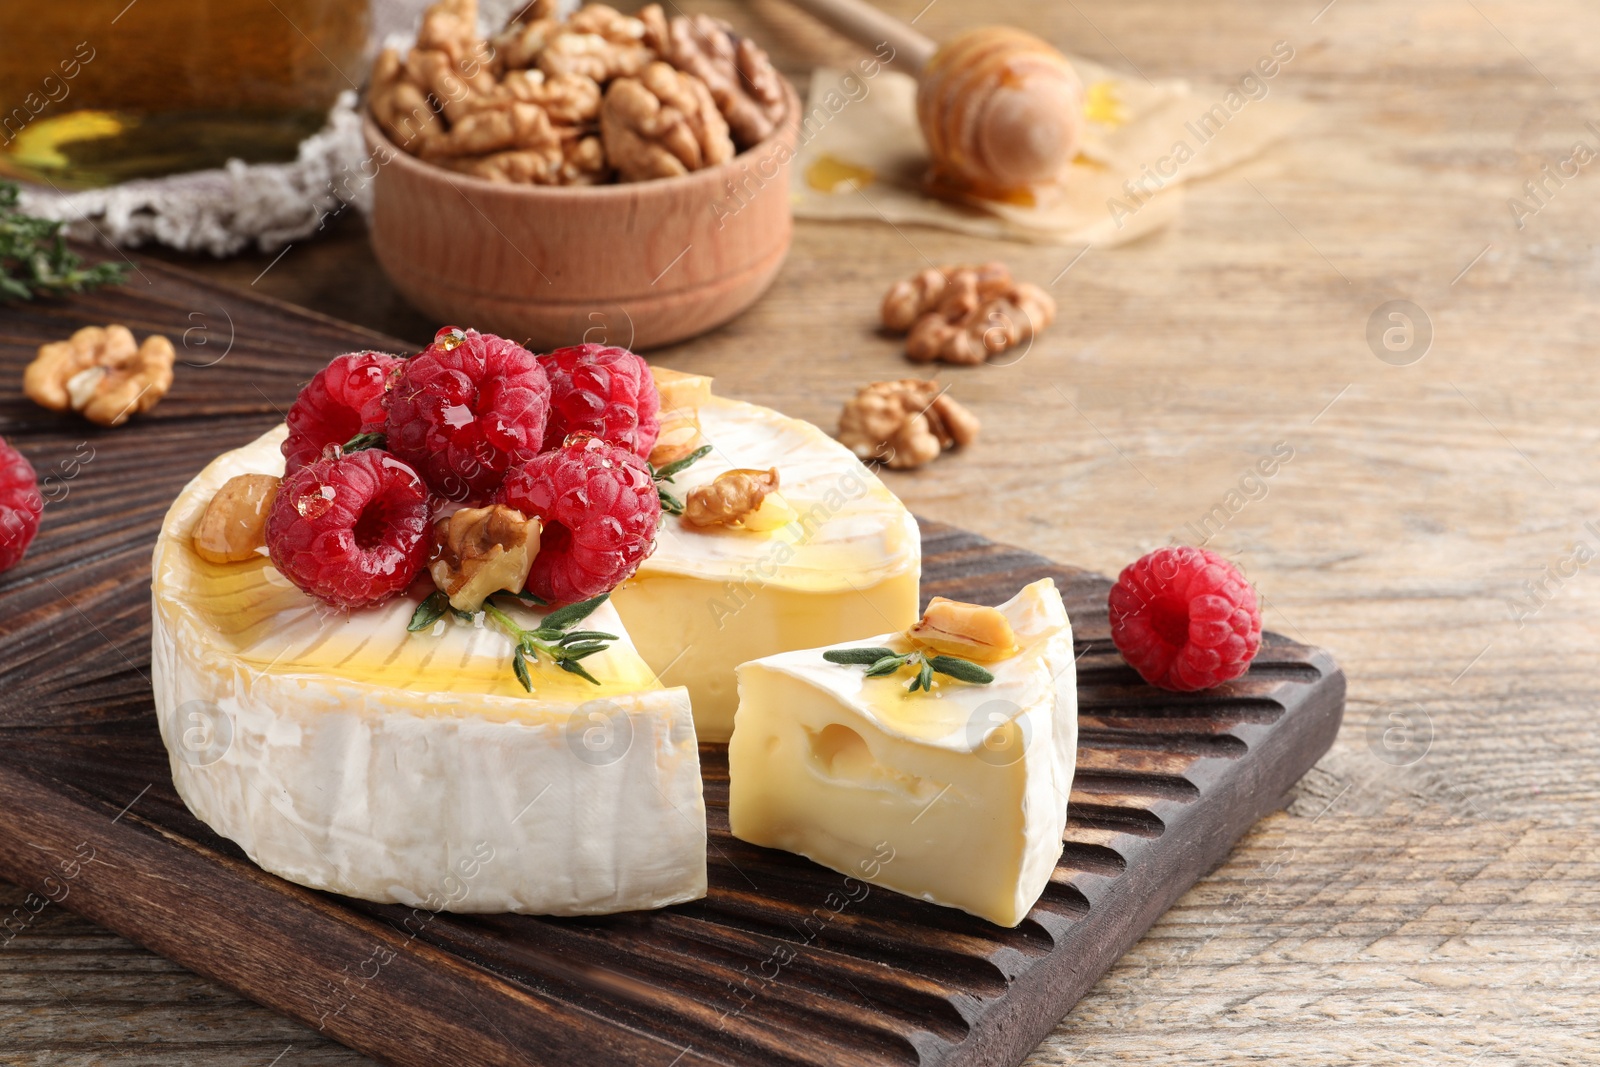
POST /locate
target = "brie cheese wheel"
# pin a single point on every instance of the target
(709, 599)
(343, 753)
(958, 796)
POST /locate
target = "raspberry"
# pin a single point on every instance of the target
(466, 409)
(352, 530)
(20, 505)
(602, 390)
(1185, 618)
(344, 399)
(599, 507)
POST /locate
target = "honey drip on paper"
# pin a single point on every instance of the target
(1101, 105)
(830, 174)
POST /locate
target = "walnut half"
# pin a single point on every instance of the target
(481, 551)
(965, 314)
(101, 374)
(905, 423)
(740, 76)
(662, 124)
(747, 499)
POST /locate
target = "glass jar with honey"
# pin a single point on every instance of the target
(94, 92)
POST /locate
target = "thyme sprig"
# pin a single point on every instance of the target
(885, 661)
(432, 609)
(670, 504)
(553, 638)
(363, 441)
(35, 259)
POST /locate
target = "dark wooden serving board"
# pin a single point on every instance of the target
(1165, 785)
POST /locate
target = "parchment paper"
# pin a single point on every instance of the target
(1144, 141)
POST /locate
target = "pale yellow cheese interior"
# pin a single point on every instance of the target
(956, 796)
(696, 633)
(710, 599)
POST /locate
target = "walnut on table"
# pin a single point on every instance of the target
(905, 424)
(965, 314)
(662, 124)
(101, 374)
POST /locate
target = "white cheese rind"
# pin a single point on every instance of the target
(958, 797)
(476, 801)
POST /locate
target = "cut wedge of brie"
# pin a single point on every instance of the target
(712, 598)
(343, 753)
(958, 796)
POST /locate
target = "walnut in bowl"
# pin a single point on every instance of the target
(588, 180)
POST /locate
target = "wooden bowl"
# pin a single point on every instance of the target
(639, 264)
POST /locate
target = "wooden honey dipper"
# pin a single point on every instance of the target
(1002, 110)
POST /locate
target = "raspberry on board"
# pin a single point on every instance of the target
(466, 409)
(352, 530)
(603, 390)
(1185, 618)
(21, 506)
(600, 509)
(345, 398)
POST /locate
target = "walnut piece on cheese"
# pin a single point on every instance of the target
(970, 631)
(234, 525)
(481, 551)
(958, 796)
(730, 499)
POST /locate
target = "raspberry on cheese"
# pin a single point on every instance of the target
(343, 753)
(603, 390)
(466, 409)
(346, 398)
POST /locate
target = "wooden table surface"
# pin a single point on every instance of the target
(1431, 895)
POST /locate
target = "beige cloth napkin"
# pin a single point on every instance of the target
(861, 155)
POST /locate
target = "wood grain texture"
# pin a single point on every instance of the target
(1437, 914)
(1165, 784)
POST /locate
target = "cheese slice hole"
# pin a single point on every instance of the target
(841, 752)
